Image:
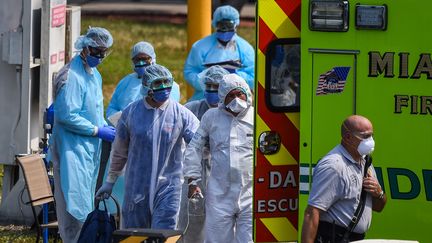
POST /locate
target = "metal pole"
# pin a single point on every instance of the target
(198, 25)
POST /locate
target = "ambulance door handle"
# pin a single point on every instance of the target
(269, 142)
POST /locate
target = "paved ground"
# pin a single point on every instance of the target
(137, 9)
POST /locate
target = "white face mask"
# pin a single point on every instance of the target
(237, 105)
(366, 146)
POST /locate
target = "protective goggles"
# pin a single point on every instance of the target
(225, 25)
(161, 83)
(141, 60)
(98, 52)
(211, 86)
(141, 63)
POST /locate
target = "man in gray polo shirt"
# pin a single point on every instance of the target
(337, 184)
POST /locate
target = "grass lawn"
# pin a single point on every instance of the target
(22, 234)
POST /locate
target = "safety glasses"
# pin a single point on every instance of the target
(141, 63)
(142, 60)
(161, 83)
(225, 25)
(98, 52)
(211, 86)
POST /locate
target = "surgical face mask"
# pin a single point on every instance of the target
(366, 146)
(140, 67)
(161, 95)
(93, 61)
(237, 105)
(225, 36)
(212, 97)
(139, 71)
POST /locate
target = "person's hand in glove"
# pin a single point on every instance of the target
(193, 188)
(106, 133)
(104, 191)
(194, 191)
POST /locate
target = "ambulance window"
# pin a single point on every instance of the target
(283, 75)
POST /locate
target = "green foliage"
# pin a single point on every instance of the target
(22, 234)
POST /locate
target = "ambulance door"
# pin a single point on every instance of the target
(333, 97)
(328, 97)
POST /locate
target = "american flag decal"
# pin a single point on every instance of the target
(332, 81)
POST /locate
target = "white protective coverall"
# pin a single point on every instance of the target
(229, 189)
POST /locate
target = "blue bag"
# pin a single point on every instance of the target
(49, 119)
(98, 226)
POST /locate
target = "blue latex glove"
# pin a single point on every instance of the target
(104, 191)
(106, 133)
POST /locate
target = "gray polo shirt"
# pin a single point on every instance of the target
(336, 187)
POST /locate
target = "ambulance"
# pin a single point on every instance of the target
(317, 63)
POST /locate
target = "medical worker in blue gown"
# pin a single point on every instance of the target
(209, 79)
(222, 46)
(128, 91)
(192, 214)
(79, 126)
(149, 138)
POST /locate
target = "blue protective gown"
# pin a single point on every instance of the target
(128, 91)
(78, 109)
(209, 50)
(149, 142)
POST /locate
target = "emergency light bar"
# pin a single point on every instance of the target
(328, 15)
(371, 17)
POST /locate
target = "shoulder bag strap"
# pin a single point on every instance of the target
(360, 207)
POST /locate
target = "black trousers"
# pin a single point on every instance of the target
(106, 150)
(332, 233)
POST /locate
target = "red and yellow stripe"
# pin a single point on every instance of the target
(276, 19)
